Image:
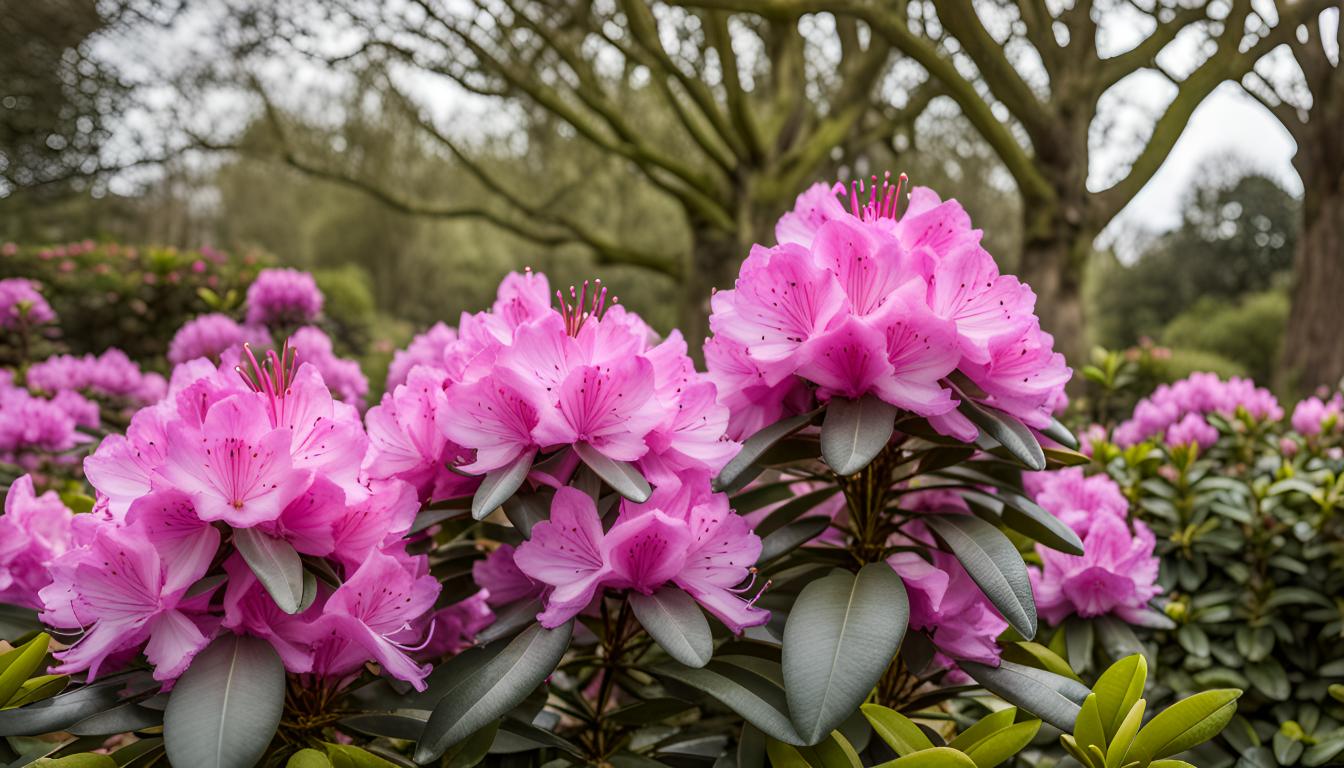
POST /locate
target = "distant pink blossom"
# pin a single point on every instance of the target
(1075, 497)
(111, 374)
(1200, 393)
(209, 336)
(344, 377)
(427, 348)
(34, 531)
(283, 297)
(19, 298)
(1192, 429)
(1313, 415)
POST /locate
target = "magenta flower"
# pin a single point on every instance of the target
(209, 336)
(20, 301)
(33, 425)
(946, 604)
(427, 348)
(1313, 416)
(876, 301)
(34, 531)
(683, 535)
(494, 418)
(343, 377)
(454, 628)
(502, 580)
(610, 408)
(126, 595)
(1200, 393)
(111, 374)
(1194, 430)
(370, 615)
(236, 467)
(406, 441)
(1075, 498)
(283, 297)
(1116, 575)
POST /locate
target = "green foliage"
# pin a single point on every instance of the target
(108, 295)
(1247, 332)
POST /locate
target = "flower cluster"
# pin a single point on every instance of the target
(1313, 416)
(683, 535)
(111, 375)
(343, 376)
(283, 297)
(34, 531)
(227, 464)
(525, 378)
(210, 336)
(20, 301)
(1116, 575)
(872, 301)
(35, 429)
(1199, 395)
(426, 348)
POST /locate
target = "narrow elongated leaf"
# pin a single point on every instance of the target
(60, 712)
(405, 724)
(18, 665)
(1012, 434)
(36, 689)
(526, 510)
(1118, 752)
(995, 565)
(1185, 724)
(897, 730)
(16, 622)
(622, 476)
(1053, 698)
(792, 536)
(997, 747)
(1117, 689)
(120, 719)
(756, 445)
(674, 620)
(500, 484)
(1060, 434)
(994, 721)
(854, 432)
(759, 700)
(494, 688)
(938, 757)
(276, 565)
(839, 639)
(225, 708)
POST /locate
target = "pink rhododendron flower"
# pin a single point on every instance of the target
(111, 374)
(1313, 415)
(525, 379)
(209, 336)
(32, 426)
(1200, 393)
(427, 349)
(281, 297)
(865, 301)
(1076, 498)
(1116, 575)
(407, 442)
(34, 531)
(1193, 429)
(344, 377)
(19, 298)
(946, 604)
(684, 535)
(501, 579)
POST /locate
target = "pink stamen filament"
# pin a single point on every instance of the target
(582, 306)
(271, 377)
(885, 205)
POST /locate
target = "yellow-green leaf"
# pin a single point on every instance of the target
(36, 689)
(897, 730)
(1117, 689)
(1003, 744)
(994, 721)
(19, 664)
(938, 757)
(1185, 724)
(1088, 730)
(308, 758)
(1118, 749)
(82, 760)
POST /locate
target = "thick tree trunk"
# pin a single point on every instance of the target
(1053, 253)
(1313, 346)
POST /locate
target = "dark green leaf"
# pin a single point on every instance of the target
(623, 477)
(756, 446)
(854, 432)
(840, 637)
(494, 688)
(500, 484)
(758, 699)
(994, 563)
(674, 620)
(1012, 434)
(276, 565)
(1053, 698)
(224, 710)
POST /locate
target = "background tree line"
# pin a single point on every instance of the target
(654, 142)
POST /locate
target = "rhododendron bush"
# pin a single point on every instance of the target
(555, 541)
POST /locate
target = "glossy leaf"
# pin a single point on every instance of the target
(759, 700)
(854, 432)
(623, 477)
(1185, 724)
(1053, 698)
(276, 565)
(840, 638)
(19, 664)
(1118, 688)
(997, 747)
(754, 447)
(224, 710)
(994, 563)
(500, 484)
(675, 621)
(1012, 434)
(897, 730)
(493, 688)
